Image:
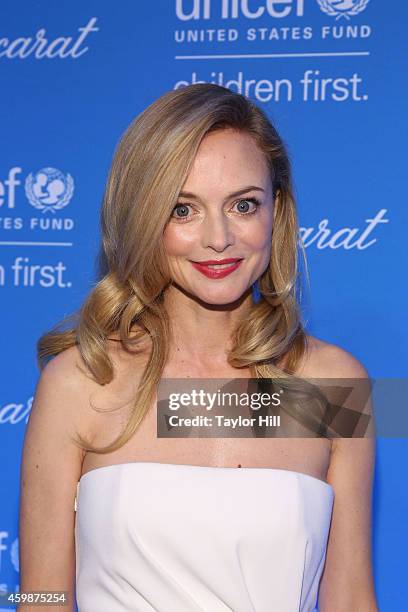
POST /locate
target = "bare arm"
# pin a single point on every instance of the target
(347, 581)
(50, 470)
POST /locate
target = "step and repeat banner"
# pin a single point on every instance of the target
(331, 74)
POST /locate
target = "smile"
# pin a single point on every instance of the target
(215, 269)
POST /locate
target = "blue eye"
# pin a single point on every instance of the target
(244, 208)
(183, 208)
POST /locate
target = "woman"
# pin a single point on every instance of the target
(199, 233)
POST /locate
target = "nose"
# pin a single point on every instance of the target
(217, 231)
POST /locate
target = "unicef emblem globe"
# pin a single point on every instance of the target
(49, 189)
(342, 8)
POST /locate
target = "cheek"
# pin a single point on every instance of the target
(259, 236)
(178, 240)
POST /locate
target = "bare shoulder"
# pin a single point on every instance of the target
(67, 369)
(62, 399)
(327, 360)
(70, 387)
(67, 373)
(324, 360)
(67, 394)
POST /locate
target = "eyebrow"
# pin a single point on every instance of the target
(188, 194)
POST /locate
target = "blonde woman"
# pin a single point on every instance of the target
(200, 239)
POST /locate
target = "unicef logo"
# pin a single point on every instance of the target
(49, 189)
(342, 8)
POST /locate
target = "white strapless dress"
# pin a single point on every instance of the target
(183, 538)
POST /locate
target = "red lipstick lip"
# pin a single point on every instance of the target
(214, 273)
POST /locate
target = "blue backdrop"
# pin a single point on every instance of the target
(331, 74)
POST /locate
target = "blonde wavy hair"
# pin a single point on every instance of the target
(149, 167)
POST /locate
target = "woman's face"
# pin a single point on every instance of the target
(224, 212)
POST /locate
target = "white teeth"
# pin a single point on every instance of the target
(221, 266)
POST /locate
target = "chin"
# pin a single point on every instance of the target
(220, 299)
(212, 295)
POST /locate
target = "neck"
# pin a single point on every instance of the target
(202, 331)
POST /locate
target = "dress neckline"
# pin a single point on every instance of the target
(204, 467)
